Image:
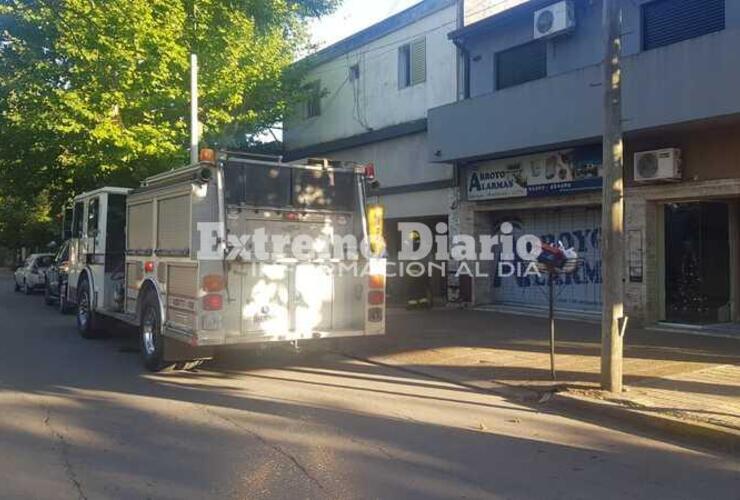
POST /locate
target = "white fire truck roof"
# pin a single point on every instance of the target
(108, 190)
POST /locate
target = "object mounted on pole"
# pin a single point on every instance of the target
(555, 260)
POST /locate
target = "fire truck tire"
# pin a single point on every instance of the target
(150, 335)
(87, 323)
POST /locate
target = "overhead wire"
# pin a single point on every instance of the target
(395, 43)
(344, 64)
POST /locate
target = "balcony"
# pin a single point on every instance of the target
(689, 81)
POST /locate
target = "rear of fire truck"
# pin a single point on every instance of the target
(298, 260)
(244, 250)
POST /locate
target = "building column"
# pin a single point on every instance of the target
(461, 222)
(636, 264)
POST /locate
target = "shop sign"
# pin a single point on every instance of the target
(560, 172)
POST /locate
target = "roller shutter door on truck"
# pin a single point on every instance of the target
(575, 227)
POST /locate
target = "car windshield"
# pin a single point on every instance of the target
(62, 255)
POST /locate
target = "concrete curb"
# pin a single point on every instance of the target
(517, 393)
(701, 434)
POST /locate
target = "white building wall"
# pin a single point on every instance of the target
(375, 100)
(397, 161)
(476, 10)
(401, 162)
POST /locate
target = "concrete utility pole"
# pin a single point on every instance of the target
(460, 61)
(613, 321)
(194, 124)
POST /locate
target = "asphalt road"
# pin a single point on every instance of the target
(81, 419)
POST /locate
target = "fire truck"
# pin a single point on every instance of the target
(178, 258)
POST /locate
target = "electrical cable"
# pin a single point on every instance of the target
(400, 41)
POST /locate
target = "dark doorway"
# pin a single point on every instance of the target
(401, 287)
(697, 263)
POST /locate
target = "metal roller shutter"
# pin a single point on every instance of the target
(183, 281)
(173, 226)
(665, 22)
(575, 227)
(139, 228)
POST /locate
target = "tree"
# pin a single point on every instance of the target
(27, 222)
(96, 92)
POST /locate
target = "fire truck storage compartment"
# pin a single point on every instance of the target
(182, 294)
(304, 297)
(140, 228)
(173, 226)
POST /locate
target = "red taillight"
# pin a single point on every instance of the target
(213, 303)
(149, 267)
(377, 281)
(213, 283)
(370, 171)
(375, 298)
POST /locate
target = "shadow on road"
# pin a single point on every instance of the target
(375, 426)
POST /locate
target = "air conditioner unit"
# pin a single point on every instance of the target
(660, 165)
(556, 19)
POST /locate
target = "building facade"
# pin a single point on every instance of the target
(368, 101)
(526, 142)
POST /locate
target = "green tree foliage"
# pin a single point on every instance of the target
(96, 92)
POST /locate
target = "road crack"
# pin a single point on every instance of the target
(278, 449)
(69, 470)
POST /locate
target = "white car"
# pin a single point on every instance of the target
(31, 276)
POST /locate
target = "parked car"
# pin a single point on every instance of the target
(56, 280)
(31, 276)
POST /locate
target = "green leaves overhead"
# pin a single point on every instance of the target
(96, 92)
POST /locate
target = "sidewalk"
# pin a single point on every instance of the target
(677, 382)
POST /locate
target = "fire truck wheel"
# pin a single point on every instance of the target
(150, 335)
(86, 321)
